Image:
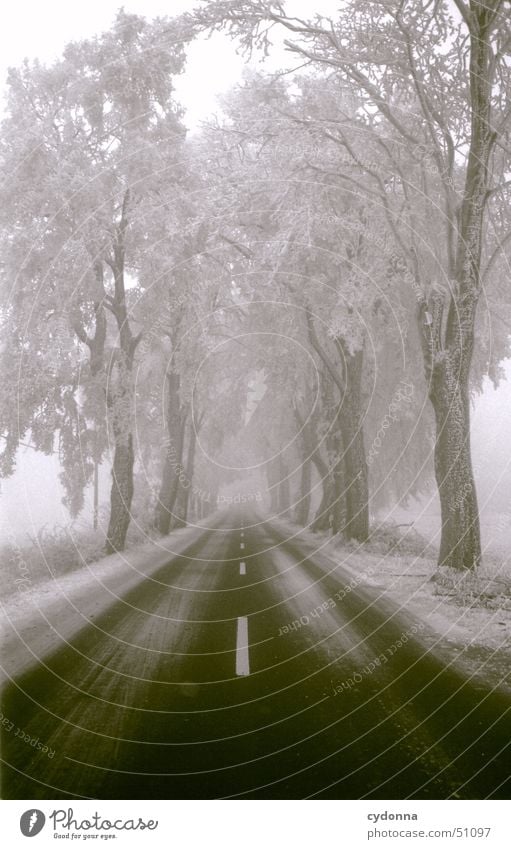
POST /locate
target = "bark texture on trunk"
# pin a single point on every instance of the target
(120, 400)
(339, 504)
(172, 466)
(178, 518)
(120, 394)
(448, 342)
(460, 546)
(349, 491)
(323, 516)
(190, 464)
(447, 371)
(356, 524)
(96, 346)
(304, 501)
(336, 513)
(284, 487)
(272, 476)
(184, 490)
(121, 495)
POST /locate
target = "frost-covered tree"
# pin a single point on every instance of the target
(87, 142)
(434, 80)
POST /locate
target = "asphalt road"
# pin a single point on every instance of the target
(197, 684)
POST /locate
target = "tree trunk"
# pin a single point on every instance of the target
(355, 464)
(120, 397)
(167, 493)
(185, 480)
(323, 517)
(198, 508)
(331, 513)
(284, 488)
(190, 464)
(460, 546)
(350, 478)
(121, 494)
(178, 518)
(303, 506)
(334, 442)
(120, 400)
(96, 346)
(448, 350)
(338, 507)
(95, 509)
(447, 373)
(272, 478)
(172, 467)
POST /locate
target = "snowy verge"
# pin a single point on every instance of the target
(43, 616)
(468, 624)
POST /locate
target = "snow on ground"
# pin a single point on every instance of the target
(467, 617)
(424, 515)
(44, 614)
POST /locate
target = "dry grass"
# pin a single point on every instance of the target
(399, 540)
(489, 587)
(56, 551)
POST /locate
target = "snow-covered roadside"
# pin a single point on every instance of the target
(457, 625)
(41, 617)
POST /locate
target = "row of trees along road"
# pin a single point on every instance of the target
(336, 233)
(433, 79)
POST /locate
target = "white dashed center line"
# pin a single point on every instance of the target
(242, 661)
(243, 568)
(242, 545)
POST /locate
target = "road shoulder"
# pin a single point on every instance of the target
(474, 638)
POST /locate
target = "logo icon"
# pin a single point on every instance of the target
(32, 822)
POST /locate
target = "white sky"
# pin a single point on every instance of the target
(41, 28)
(36, 29)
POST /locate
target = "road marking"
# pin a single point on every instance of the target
(243, 568)
(242, 661)
(242, 545)
(242, 534)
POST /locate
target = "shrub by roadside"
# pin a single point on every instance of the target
(54, 551)
(57, 551)
(489, 587)
(389, 538)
